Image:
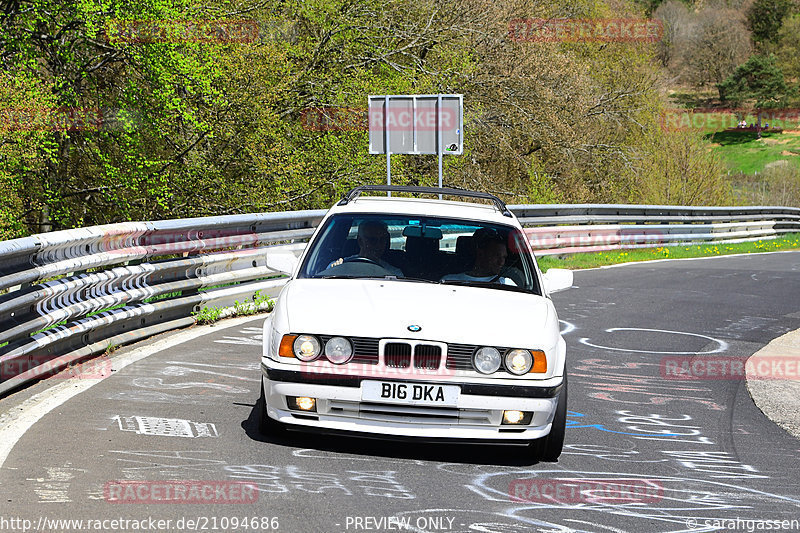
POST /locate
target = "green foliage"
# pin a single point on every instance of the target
(789, 241)
(207, 315)
(766, 16)
(788, 48)
(258, 304)
(759, 82)
(198, 128)
(111, 348)
(681, 170)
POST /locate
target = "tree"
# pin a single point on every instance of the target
(114, 168)
(681, 170)
(705, 45)
(765, 17)
(675, 16)
(759, 83)
(204, 128)
(788, 46)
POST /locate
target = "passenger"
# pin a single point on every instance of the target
(490, 257)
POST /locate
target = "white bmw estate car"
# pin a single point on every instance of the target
(418, 318)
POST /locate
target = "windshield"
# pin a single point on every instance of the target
(423, 249)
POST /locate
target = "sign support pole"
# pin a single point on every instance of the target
(416, 116)
(386, 142)
(439, 138)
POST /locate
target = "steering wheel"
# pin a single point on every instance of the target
(359, 259)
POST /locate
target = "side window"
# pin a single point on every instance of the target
(520, 262)
(329, 244)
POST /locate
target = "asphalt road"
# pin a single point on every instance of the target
(693, 455)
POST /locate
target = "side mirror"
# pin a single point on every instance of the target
(284, 262)
(557, 279)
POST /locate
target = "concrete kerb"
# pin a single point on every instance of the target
(778, 399)
(21, 416)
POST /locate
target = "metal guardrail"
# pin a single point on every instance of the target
(565, 229)
(71, 294)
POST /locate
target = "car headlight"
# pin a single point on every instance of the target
(338, 350)
(306, 347)
(519, 361)
(486, 360)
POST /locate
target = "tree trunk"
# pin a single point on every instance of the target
(758, 123)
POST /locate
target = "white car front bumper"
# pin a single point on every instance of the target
(477, 414)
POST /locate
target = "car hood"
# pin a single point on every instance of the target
(446, 313)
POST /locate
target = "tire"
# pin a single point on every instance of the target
(267, 426)
(548, 448)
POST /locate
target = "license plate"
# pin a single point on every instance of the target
(410, 393)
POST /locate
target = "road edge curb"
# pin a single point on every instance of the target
(778, 399)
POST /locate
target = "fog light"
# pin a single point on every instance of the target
(517, 417)
(302, 403)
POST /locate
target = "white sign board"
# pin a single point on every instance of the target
(416, 124)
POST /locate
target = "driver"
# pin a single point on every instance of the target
(373, 242)
(490, 257)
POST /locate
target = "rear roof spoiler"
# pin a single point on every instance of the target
(449, 191)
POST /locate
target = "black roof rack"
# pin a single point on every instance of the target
(449, 191)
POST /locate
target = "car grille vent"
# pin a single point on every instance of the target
(459, 356)
(427, 356)
(397, 354)
(365, 349)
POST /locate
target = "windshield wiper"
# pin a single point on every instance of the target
(343, 276)
(420, 280)
(484, 284)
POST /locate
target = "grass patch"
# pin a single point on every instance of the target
(742, 150)
(790, 241)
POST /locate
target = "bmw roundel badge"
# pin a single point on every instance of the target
(415, 328)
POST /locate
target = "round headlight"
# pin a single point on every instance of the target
(519, 361)
(306, 347)
(338, 350)
(486, 360)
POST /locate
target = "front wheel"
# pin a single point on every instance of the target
(548, 448)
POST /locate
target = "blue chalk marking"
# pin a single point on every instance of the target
(575, 424)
